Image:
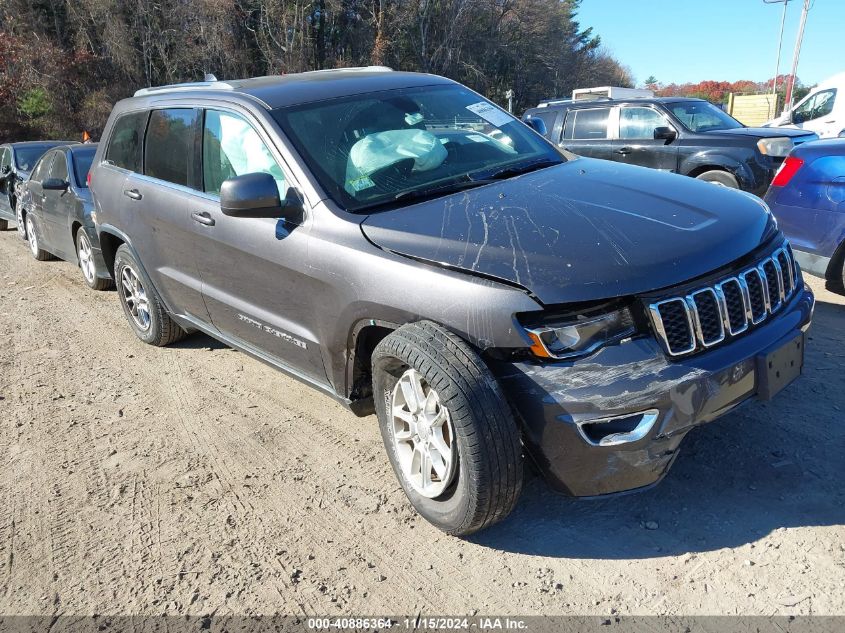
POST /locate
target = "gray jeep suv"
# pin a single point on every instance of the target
(402, 244)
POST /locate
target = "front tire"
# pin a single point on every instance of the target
(719, 178)
(34, 246)
(449, 432)
(141, 304)
(87, 263)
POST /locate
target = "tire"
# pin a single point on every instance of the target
(32, 238)
(21, 223)
(141, 304)
(4, 224)
(87, 263)
(482, 464)
(719, 178)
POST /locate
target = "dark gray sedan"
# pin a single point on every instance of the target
(55, 210)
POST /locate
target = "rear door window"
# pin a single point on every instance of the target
(5, 159)
(124, 148)
(587, 125)
(170, 146)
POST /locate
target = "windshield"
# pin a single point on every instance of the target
(82, 159)
(379, 148)
(26, 157)
(701, 116)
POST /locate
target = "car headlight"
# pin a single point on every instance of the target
(780, 146)
(580, 335)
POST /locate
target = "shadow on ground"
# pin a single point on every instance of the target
(767, 466)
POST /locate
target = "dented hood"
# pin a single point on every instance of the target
(584, 230)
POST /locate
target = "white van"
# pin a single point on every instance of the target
(822, 111)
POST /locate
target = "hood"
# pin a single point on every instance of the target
(584, 230)
(761, 132)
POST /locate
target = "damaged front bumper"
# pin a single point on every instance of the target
(614, 421)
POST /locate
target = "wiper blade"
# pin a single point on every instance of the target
(524, 168)
(441, 190)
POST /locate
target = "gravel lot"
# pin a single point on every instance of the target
(194, 479)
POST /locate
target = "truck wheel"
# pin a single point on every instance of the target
(87, 263)
(32, 238)
(141, 305)
(447, 428)
(719, 178)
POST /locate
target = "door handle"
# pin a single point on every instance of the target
(203, 218)
(132, 193)
(624, 151)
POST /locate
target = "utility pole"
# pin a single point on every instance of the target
(777, 61)
(796, 54)
(509, 96)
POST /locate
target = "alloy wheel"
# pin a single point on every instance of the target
(135, 297)
(31, 237)
(86, 257)
(423, 435)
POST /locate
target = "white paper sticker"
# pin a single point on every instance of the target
(490, 113)
(479, 139)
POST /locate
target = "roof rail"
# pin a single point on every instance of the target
(378, 69)
(193, 85)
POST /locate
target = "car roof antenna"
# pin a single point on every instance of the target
(210, 77)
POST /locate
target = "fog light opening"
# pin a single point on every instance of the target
(619, 429)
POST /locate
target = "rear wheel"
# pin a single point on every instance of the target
(32, 238)
(87, 263)
(449, 432)
(141, 304)
(719, 178)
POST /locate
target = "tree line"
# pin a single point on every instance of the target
(63, 63)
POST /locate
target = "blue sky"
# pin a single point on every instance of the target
(693, 40)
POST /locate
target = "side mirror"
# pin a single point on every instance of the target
(54, 184)
(538, 125)
(6, 170)
(665, 133)
(257, 196)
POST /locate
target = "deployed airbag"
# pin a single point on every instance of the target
(382, 149)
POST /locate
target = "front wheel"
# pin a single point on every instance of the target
(21, 223)
(449, 432)
(719, 178)
(141, 304)
(87, 263)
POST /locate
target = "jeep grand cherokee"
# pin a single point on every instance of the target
(402, 244)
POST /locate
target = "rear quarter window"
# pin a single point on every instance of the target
(126, 141)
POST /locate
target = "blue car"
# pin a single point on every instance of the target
(807, 196)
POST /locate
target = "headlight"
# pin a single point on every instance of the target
(580, 335)
(780, 146)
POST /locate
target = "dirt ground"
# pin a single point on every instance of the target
(193, 480)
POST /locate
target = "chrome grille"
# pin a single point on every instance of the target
(707, 316)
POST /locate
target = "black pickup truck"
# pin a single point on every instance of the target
(674, 134)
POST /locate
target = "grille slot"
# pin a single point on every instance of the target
(707, 316)
(756, 294)
(676, 325)
(735, 304)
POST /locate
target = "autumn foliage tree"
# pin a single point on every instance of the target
(69, 60)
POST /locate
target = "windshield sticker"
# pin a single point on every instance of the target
(479, 139)
(490, 113)
(359, 184)
(412, 118)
